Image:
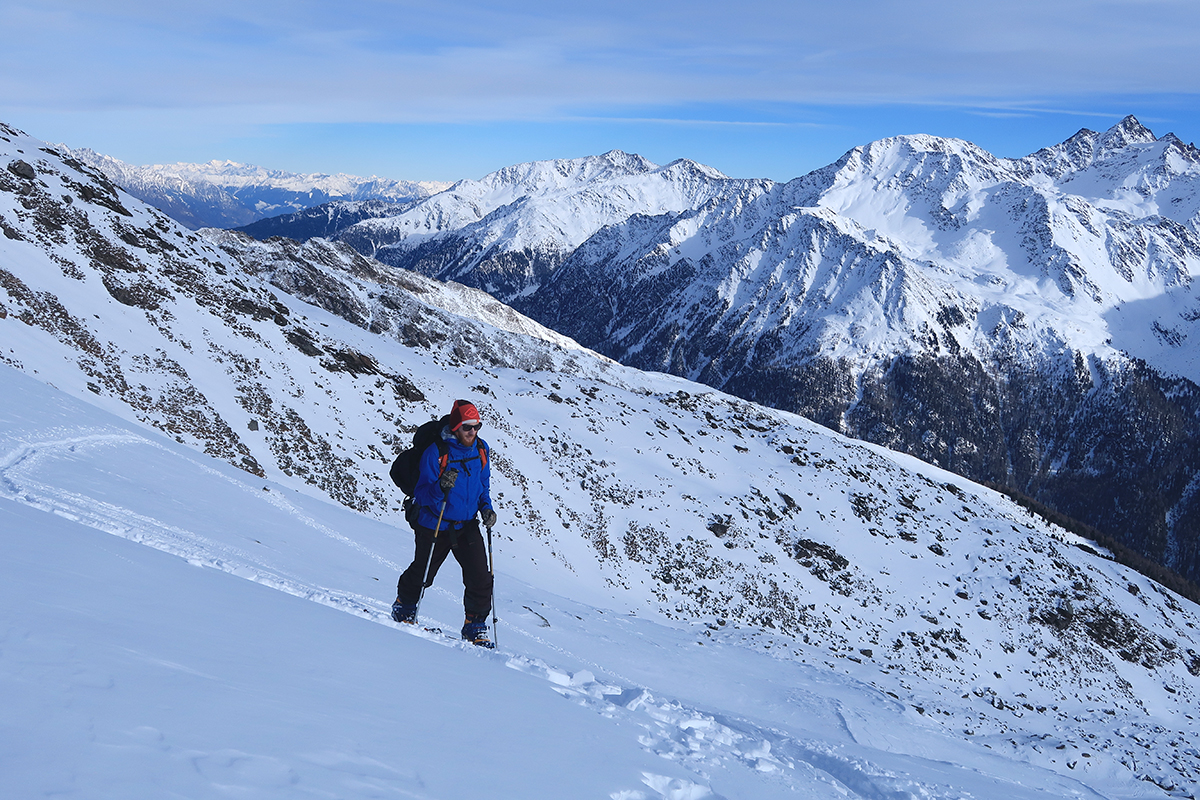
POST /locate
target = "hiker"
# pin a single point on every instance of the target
(452, 487)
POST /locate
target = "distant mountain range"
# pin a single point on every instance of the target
(1030, 322)
(226, 194)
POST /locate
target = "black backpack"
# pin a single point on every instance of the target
(407, 466)
(406, 469)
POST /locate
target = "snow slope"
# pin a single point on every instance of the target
(750, 605)
(157, 640)
(158, 671)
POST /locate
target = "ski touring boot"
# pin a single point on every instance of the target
(404, 612)
(475, 630)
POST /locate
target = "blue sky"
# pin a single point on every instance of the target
(447, 90)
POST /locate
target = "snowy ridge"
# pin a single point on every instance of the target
(510, 229)
(705, 538)
(1055, 291)
(324, 221)
(230, 194)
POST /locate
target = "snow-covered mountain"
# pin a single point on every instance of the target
(1019, 321)
(734, 588)
(507, 232)
(1022, 321)
(226, 194)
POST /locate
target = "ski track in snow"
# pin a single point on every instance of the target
(17, 483)
(671, 729)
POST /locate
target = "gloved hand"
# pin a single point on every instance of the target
(448, 479)
(489, 517)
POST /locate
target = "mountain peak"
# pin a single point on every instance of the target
(1126, 132)
(557, 172)
(1087, 147)
(696, 167)
(631, 161)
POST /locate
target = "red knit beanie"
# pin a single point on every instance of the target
(463, 411)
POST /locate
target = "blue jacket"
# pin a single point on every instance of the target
(471, 492)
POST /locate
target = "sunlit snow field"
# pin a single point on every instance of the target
(176, 628)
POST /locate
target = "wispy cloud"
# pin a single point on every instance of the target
(392, 61)
(757, 87)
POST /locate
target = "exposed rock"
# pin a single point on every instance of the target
(22, 169)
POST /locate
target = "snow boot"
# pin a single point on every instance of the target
(475, 630)
(404, 612)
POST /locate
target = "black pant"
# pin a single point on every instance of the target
(471, 554)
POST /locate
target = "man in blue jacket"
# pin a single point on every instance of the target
(453, 487)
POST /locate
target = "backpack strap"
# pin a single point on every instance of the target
(444, 456)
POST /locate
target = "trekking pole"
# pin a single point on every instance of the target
(492, 572)
(429, 563)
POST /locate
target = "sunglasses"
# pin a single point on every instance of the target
(474, 427)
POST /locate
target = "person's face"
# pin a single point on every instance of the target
(467, 432)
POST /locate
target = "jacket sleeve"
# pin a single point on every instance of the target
(428, 493)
